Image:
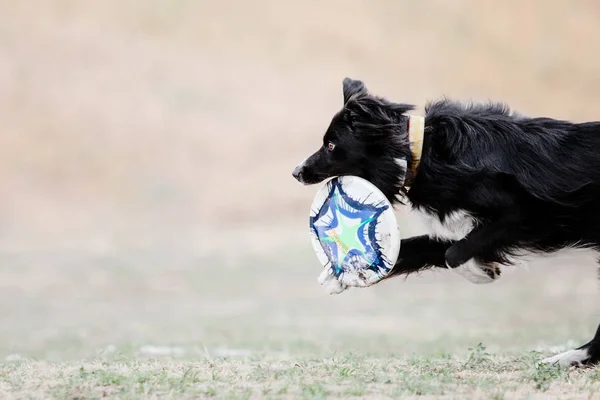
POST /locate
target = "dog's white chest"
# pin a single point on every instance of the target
(455, 225)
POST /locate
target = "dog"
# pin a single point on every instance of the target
(491, 184)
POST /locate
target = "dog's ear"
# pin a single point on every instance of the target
(353, 89)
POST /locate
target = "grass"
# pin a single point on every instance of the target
(132, 325)
(262, 376)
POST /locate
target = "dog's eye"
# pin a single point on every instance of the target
(330, 146)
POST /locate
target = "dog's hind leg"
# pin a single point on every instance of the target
(588, 354)
(476, 255)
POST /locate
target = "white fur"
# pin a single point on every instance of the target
(401, 162)
(474, 272)
(355, 280)
(330, 283)
(334, 285)
(404, 165)
(299, 167)
(571, 358)
(455, 226)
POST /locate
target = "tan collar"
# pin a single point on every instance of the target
(416, 131)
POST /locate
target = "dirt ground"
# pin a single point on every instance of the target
(145, 169)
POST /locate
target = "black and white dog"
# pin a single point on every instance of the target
(491, 184)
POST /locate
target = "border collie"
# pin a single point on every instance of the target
(491, 184)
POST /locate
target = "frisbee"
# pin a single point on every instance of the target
(354, 231)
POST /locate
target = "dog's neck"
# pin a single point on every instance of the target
(416, 131)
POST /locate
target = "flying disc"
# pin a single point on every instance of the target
(354, 231)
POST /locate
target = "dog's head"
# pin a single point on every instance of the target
(368, 138)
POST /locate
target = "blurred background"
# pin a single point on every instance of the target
(146, 150)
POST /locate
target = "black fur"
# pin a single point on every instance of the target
(530, 183)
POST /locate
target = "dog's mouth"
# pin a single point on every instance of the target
(308, 174)
(308, 179)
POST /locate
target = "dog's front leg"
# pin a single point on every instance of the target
(470, 256)
(418, 253)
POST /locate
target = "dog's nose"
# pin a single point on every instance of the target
(297, 173)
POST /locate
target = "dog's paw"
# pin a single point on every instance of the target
(330, 283)
(571, 358)
(477, 272)
(359, 279)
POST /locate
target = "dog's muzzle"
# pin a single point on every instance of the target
(297, 173)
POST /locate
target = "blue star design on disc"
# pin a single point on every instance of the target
(346, 230)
